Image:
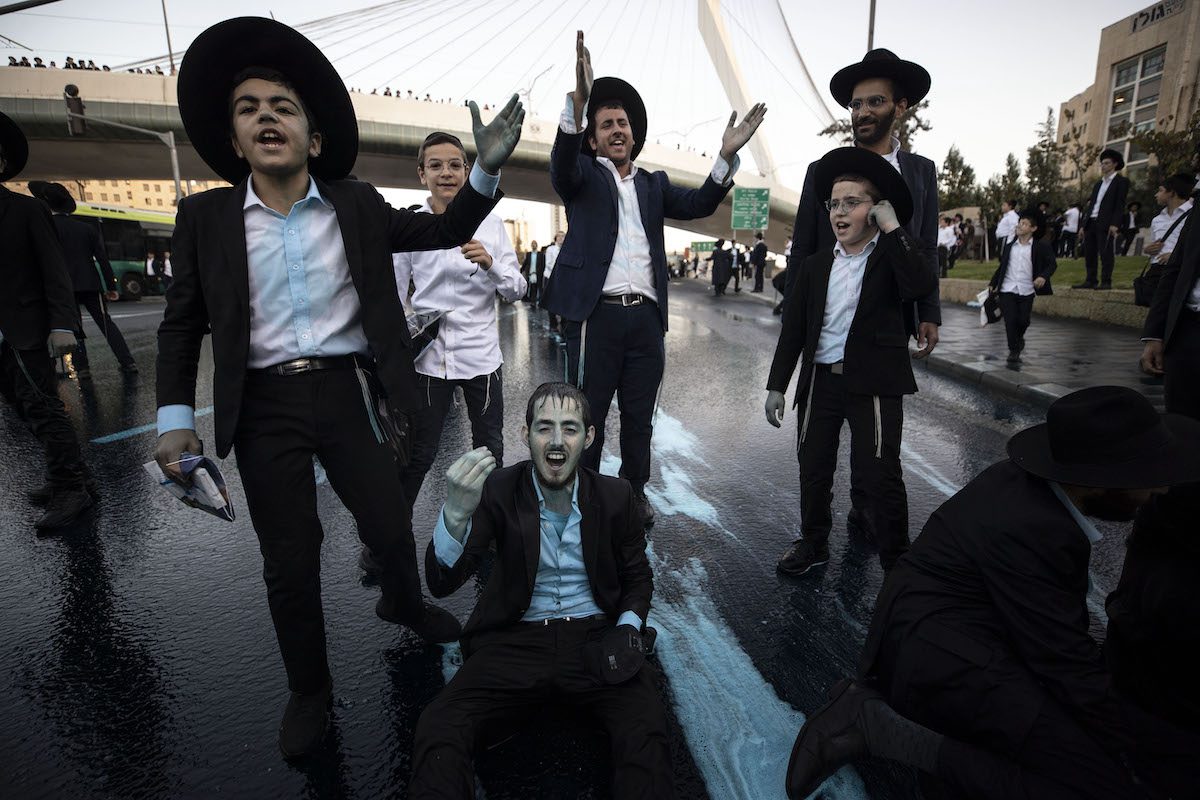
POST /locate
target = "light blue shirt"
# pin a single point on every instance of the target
(561, 588)
(841, 301)
(1085, 524)
(302, 300)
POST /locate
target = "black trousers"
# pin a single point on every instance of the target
(623, 355)
(1016, 310)
(95, 305)
(29, 376)
(534, 292)
(285, 421)
(758, 277)
(485, 409)
(1127, 237)
(507, 675)
(1097, 242)
(1181, 366)
(1067, 247)
(876, 477)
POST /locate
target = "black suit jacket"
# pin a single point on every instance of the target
(1112, 207)
(589, 192)
(876, 360)
(1175, 285)
(812, 232)
(83, 248)
(37, 295)
(1044, 265)
(541, 266)
(758, 255)
(614, 549)
(1000, 571)
(211, 289)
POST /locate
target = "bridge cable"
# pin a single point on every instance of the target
(556, 37)
(404, 45)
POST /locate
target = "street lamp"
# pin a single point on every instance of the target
(77, 126)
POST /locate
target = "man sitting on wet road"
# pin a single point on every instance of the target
(846, 318)
(561, 617)
(980, 636)
(291, 270)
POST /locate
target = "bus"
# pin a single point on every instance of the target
(130, 235)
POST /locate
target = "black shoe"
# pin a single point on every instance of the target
(64, 508)
(130, 368)
(41, 495)
(1013, 357)
(802, 556)
(645, 511)
(1084, 285)
(368, 563)
(831, 738)
(305, 721)
(858, 524)
(1104, 286)
(436, 625)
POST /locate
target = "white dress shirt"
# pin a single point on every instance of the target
(1161, 224)
(1007, 226)
(467, 344)
(841, 301)
(947, 237)
(1104, 182)
(1018, 278)
(630, 271)
(551, 257)
(893, 155)
(1071, 225)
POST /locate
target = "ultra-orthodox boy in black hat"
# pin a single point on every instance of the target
(291, 271)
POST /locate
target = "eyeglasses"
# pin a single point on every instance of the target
(844, 206)
(455, 165)
(874, 102)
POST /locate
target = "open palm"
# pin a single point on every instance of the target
(496, 141)
(736, 136)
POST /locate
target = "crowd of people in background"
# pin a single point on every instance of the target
(70, 63)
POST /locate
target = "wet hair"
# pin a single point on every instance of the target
(1180, 184)
(274, 76)
(561, 392)
(871, 189)
(436, 138)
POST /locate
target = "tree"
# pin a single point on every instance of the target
(1001, 188)
(1043, 168)
(907, 126)
(1173, 151)
(1080, 155)
(958, 187)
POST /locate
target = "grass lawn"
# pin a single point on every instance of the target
(1070, 271)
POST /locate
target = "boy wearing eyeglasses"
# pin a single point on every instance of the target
(463, 281)
(845, 318)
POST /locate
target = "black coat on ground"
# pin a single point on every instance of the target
(614, 549)
(37, 295)
(211, 289)
(876, 358)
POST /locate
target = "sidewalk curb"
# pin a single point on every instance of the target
(995, 377)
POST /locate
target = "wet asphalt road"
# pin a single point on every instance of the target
(138, 658)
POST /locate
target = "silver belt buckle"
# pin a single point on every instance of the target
(631, 300)
(295, 366)
(837, 367)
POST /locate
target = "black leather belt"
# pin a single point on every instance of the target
(556, 620)
(300, 365)
(835, 368)
(625, 299)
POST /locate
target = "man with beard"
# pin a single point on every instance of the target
(291, 270)
(610, 282)
(979, 667)
(561, 616)
(876, 91)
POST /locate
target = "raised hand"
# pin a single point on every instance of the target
(495, 141)
(464, 488)
(583, 76)
(737, 134)
(883, 216)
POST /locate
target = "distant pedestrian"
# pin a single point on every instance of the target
(1026, 264)
(758, 258)
(722, 267)
(1070, 231)
(947, 239)
(1102, 221)
(1130, 228)
(532, 267)
(1007, 226)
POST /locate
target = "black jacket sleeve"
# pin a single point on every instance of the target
(792, 333)
(445, 580)
(185, 320)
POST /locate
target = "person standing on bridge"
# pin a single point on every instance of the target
(291, 270)
(38, 318)
(84, 249)
(877, 91)
(610, 281)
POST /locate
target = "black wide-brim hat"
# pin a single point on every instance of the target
(216, 57)
(1110, 437)
(914, 79)
(1114, 155)
(15, 147)
(55, 195)
(606, 89)
(873, 167)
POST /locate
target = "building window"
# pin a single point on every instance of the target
(1126, 73)
(1135, 91)
(159, 201)
(88, 195)
(145, 187)
(129, 195)
(1152, 63)
(104, 196)
(158, 187)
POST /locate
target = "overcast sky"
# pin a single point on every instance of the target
(996, 67)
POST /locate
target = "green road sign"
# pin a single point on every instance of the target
(751, 209)
(703, 247)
